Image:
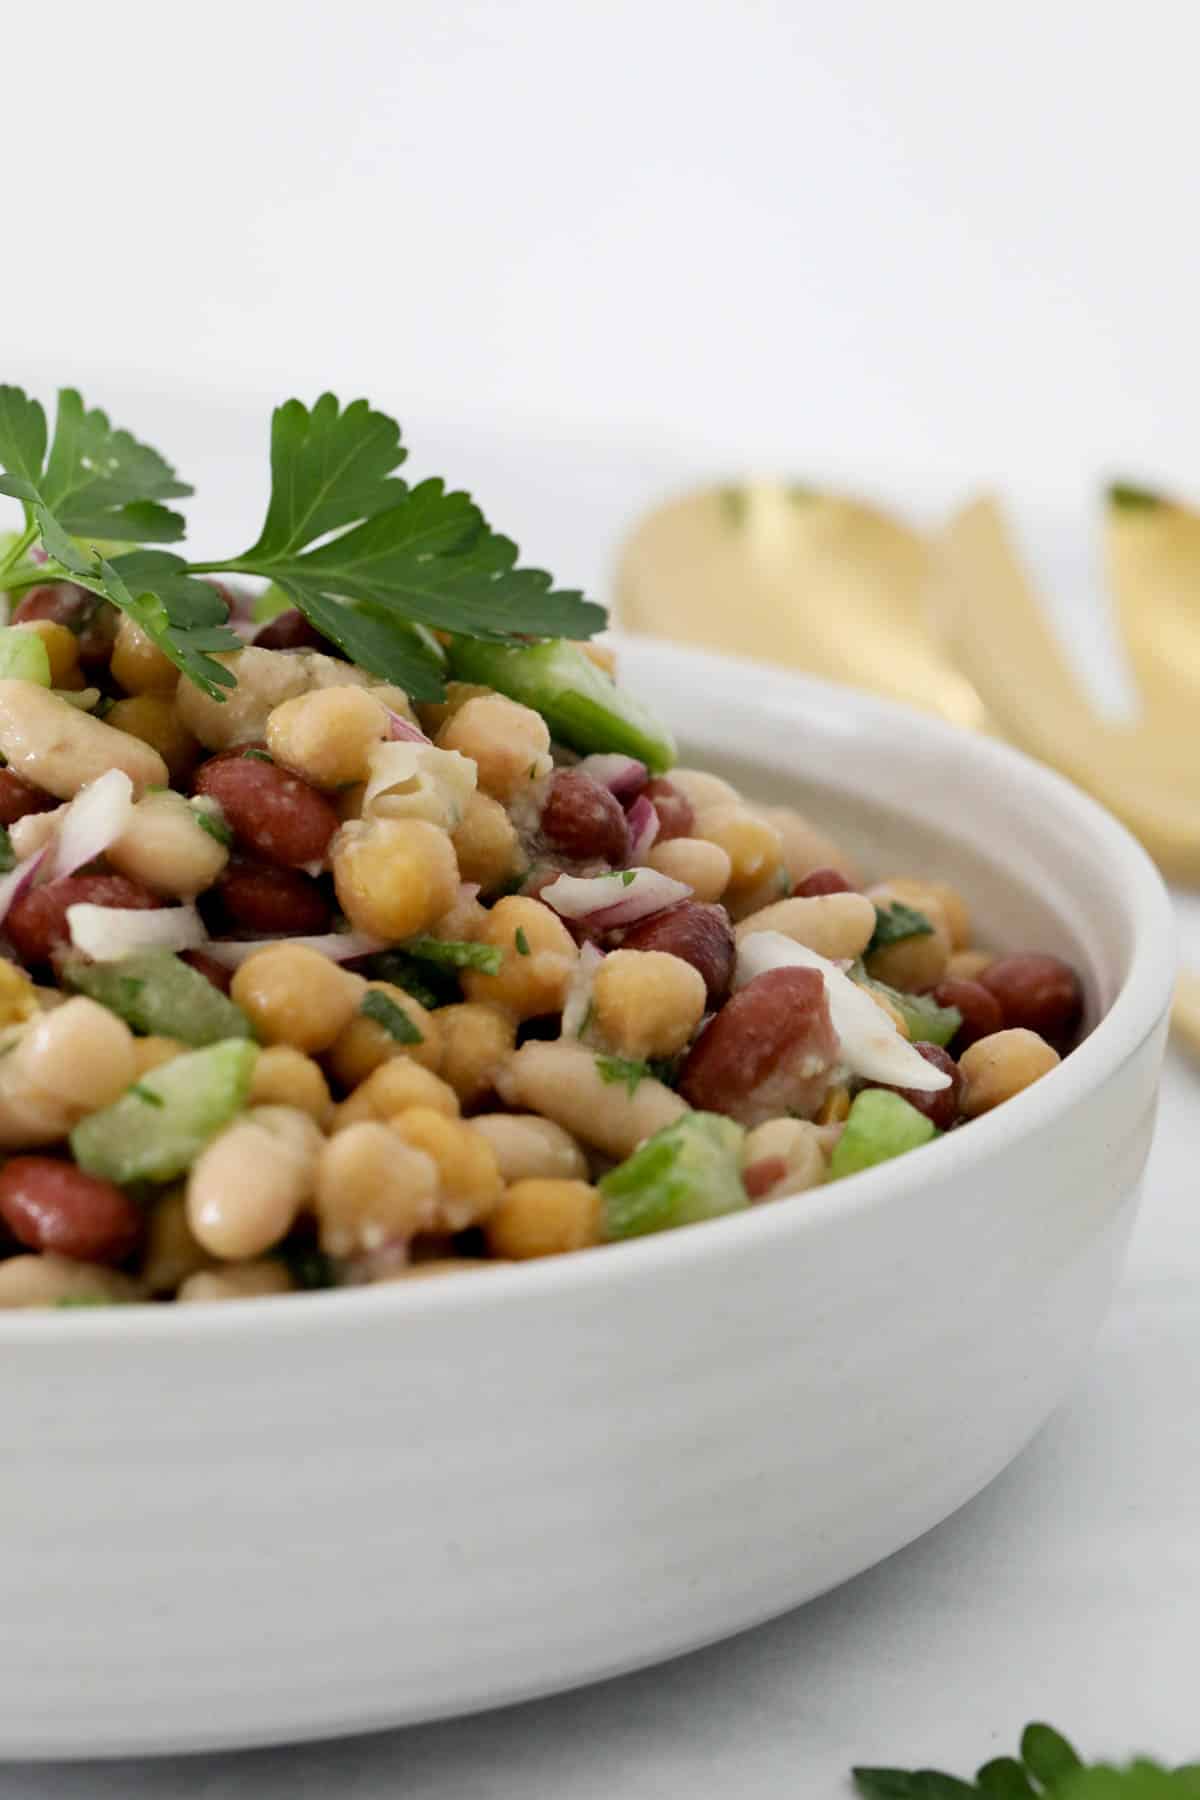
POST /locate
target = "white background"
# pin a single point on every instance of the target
(587, 252)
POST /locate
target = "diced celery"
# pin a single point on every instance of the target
(582, 705)
(880, 1125)
(23, 656)
(155, 992)
(928, 1023)
(691, 1170)
(159, 1126)
(269, 604)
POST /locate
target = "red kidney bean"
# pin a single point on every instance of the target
(276, 902)
(699, 934)
(980, 1009)
(37, 923)
(51, 1205)
(769, 1050)
(210, 968)
(272, 812)
(17, 798)
(676, 814)
(1040, 993)
(93, 620)
(292, 631)
(583, 821)
(940, 1108)
(760, 1177)
(822, 881)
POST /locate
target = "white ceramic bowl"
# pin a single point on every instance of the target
(277, 1519)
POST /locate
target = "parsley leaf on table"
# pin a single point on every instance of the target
(1048, 1769)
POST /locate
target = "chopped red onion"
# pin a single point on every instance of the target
(338, 946)
(623, 776)
(107, 933)
(400, 727)
(642, 819)
(605, 901)
(96, 817)
(13, 885)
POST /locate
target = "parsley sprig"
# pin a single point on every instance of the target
(1047, 1768)
(376, 565)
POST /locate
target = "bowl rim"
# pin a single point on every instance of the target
(1137, 1011)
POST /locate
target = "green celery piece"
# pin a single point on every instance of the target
(135, 1139)
(880, 1125)
(23, 656)
(269, 604)
(157, 993)
(691, 1170)
(582, 705)
(928, 1023)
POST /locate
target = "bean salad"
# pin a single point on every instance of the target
(313, 985)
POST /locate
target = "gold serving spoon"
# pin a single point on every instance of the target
(950, 623)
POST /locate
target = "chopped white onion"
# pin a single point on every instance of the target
(643, 822)
(579, 991)
(404, 729)
(871, 1046)
(13, 885)
(623, 776)
(338, 946)
(96, 817)
(606, 901)
(107, 933)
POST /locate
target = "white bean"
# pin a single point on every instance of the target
(165, 847)
(246, 1187)
(65, 1064)
(563, 1083)
(834, 925)
(60, 749)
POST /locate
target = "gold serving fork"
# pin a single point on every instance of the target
(950, 621)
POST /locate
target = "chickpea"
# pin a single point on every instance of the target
(247, 1186)
(912, 964)
(835, 1108)
(165, 847)
(834, 925)
(476, 1043)
(795, 1146)
(509, 743)
(753, 846)
(18, 996)
(49, 1279)
(394, 877)
(433, 714)
(705, 867)
(526, 1146)
(562, 1082)
(705, 791)
(327, 735)
(244, 1281)
(363, 1045)
(539, 957)
(152, 1052)
(647, 1002)
(465, 921)
(469, 1183)
(391, 1089)
(997, 1067)
(930, 897)
(62, 650)
(152, 718)
(284, 1076)
(294, 995)
(265, 679)
(486, 843)
(968, 965)
(138, 665)
(544, 1218)
(805, 847)
(171, 1253)
(372, 1189)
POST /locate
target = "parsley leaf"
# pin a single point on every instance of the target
(147, 1094)
(897, 921)
(431, 986)
(8, 856)
(395, 1021)
(456, 953)
(1126, 496)
(521, 941)
(1047, 1769)
(208, 819)
(623, 1071)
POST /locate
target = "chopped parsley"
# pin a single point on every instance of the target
(83, 1300)
(8, 856)
(457, 953)
(382, 1010)
(215, 825)
(147, 1094)
(256, 756)
(521, 941)
(623, 1071)
(894, 923)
